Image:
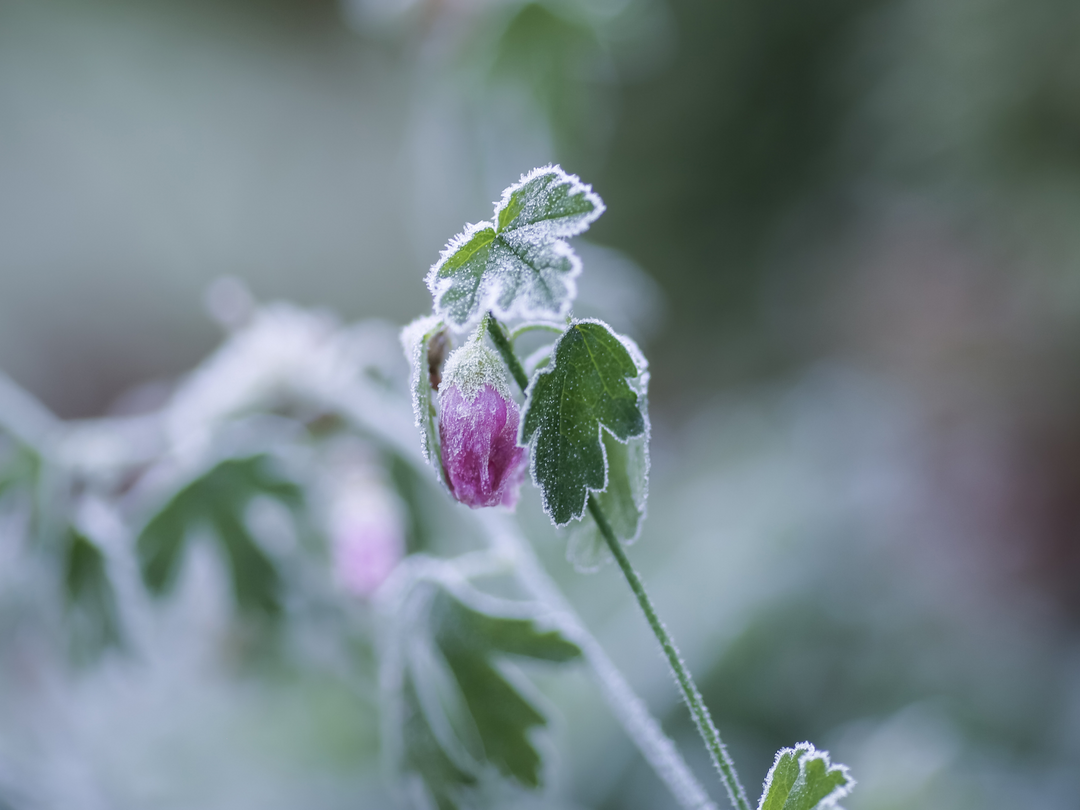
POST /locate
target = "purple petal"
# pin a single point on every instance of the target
(484, 465)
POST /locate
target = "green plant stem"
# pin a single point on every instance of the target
(498, 337)
(698, 710)
(532, 327)
(705, 725)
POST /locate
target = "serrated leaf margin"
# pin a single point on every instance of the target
(803, 752)
(640, 386)
(488, 294)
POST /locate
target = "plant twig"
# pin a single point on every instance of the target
(498, 337)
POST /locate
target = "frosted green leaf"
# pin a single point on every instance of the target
(623, 500)
(218, 501)
(465, 719)
(594, 386)
(802, 778)
(517, 265)
(426, 345)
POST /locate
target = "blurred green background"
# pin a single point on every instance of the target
(846, 235)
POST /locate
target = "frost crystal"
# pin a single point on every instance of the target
(517, 265)
(478, 427)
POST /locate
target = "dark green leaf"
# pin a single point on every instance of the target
(218, 501)
(411, 490)
(91, 603)
(517, 265)
(586, 390)
(802, 778)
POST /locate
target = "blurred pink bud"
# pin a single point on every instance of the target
(478, 428)
(367, 534)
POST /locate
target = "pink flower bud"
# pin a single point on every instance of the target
(366, 528)
(478, 429)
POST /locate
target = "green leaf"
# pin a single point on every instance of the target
(418, 528)
(802, 778)
(426, 346)
(623, 502)
(517, 265)
(91, 610)
(595, 384)
(464, 719)
(218, 500)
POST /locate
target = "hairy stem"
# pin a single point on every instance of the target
(534, 326)
(702, 719)
(498, 337)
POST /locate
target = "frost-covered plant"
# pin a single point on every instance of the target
(291, 452)
(585, 423)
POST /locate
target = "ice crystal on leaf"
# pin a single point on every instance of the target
(517, 265)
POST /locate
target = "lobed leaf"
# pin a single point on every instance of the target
(464, 720)
(802, 778)
(517, 265)
(218, 500)
(594, 388)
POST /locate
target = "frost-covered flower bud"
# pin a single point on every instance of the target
(478, 429)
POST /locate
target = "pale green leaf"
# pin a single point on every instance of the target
(517, 265)
(623, 502)
(218, 500)
(426, 346)
(802, 778)
(465, 719)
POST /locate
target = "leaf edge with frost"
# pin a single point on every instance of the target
(488, 294)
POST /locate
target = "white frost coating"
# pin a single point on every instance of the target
(805, 752)
(525, 269)
(563, 227)
(414, 340)
(473, 366)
